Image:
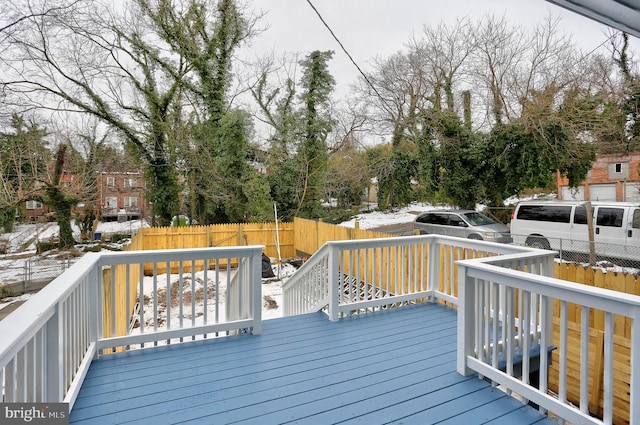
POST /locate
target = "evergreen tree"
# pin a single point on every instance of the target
(317, 85)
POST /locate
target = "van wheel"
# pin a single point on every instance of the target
(538, 243)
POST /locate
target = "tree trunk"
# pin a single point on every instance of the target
(60, 202)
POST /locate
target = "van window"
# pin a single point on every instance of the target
(636, 219)
(553, 213)
(455, 220)
(580, 215)
(478, 219)
(611, 217)
(433, 218)
(440, 219)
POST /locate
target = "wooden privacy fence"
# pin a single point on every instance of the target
(620, 282)
(309, 235)
(217, 235)
(114, 287)
(298, 239)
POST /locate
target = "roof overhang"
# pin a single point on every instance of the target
(621, 14)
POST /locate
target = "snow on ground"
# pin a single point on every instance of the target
(20, 245)
(375, 219)
(25, 236)
(168, 308)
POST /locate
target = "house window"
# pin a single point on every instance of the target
(618, 170)
(130, 201)
(34, 205)
(129, 182)
(111, 181)
(111, 202)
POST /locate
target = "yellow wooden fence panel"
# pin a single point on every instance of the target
(620, 282)
(310, 235)
(216, 235)
(118, 326)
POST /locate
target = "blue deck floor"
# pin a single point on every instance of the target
(386, 367)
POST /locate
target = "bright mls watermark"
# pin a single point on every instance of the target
(34, 413)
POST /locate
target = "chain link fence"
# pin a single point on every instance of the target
(31, 275)
(583, 252)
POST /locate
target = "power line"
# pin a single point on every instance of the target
(347, 53)
(595, 48)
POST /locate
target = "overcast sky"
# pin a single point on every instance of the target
(370, 28)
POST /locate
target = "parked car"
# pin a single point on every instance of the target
(463, 224)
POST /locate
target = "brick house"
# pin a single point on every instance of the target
(611, 178)
(121, 195)
(36, 210)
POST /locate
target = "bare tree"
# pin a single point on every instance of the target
(500, 49)
(23, 163)
(445, 50)
(511, 64)
(91, 61)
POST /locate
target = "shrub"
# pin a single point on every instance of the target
(118, 237)
(44, 246)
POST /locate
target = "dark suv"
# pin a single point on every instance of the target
(462, 224)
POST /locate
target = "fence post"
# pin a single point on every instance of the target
(333, 282)
(466, 308)
(27, 275)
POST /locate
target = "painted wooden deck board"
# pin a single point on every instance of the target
(386, 367)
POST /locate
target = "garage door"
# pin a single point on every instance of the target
(602, 192)
(632, 192)
(573, 193)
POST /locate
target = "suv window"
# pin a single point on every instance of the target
(611, 217)
(553, 213)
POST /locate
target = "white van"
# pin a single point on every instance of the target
(562, 225)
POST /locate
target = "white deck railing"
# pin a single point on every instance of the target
(347, 277)
(47, 344)
(514, 309)
(504, 295)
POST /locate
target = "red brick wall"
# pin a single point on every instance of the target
(600, 174)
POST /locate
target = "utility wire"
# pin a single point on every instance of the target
(347, 53)
(369, 81)
(586, 55)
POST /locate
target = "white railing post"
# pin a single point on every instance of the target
(466, 310)
(433, 272)
(95, 305)
(256, 291)
(54, 358)
(333, 281)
